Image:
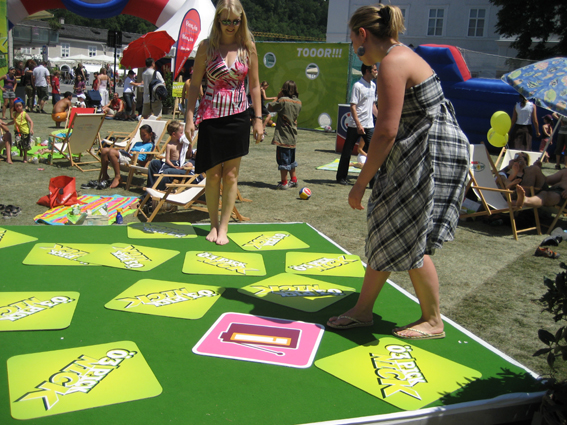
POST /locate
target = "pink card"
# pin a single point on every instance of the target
(262, 339)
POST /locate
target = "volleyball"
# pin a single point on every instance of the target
(305, 193)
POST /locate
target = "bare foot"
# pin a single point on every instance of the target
(363, 317)
(212, 236)
(222, 238)
(420, 325)
(115, 183)
(521, 195)
(104, 177)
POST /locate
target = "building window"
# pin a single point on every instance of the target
(26, 50)
(404, 14)
(65, 50)
(435, 23)
(92, 51)
(476, 22)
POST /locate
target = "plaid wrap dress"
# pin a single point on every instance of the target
(415, 202)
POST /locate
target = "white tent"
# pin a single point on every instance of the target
(78, 58)
(102, 59)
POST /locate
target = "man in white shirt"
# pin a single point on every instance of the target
(41, 81)
(361, 123)
(151, 106)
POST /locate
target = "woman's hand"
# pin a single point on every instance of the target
(258, 130)
(190, 129)
(355, 196)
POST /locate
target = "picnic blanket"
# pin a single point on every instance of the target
(334, 166)
(58, 216)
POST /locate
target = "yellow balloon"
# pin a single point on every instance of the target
(501, 122)
(496, 139)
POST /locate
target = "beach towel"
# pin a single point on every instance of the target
(334, 166)
(58, 216)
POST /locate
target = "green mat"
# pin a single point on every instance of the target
(210, 390)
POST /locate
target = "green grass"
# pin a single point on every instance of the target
(490, 283)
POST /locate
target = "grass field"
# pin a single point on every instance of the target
(490, 283)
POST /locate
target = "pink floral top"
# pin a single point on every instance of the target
(225, 94)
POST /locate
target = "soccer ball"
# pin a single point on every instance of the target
(327, 129)
(305, 193)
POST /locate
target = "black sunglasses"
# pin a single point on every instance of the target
(228, 22)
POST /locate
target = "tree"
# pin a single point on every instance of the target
(533, 23)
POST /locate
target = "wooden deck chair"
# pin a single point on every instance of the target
(559, 211)
(125, 139)
(134, 168)
(74, 111)
(177, 107)
(506, 155)
(183, 194)
(483, 177)
(86, 128)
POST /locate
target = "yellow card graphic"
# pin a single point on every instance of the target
(54, 382)
(398, 372)
(11, 238)
(224, 263)
(161, 231)
(323, 264)
(299, 292)
(130, 257)
(60, 254)
(171, 299)
(267, 241)
(31, 311)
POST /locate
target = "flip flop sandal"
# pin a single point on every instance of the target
(14, 210)
(422, 334)
(8, 208)
(2, 207)
(7, 215)
(354, 323)
(103, 185)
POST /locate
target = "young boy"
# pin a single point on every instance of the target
(23, 128)
(288, 106)
(177, 153)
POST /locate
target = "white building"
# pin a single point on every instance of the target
(468, 24)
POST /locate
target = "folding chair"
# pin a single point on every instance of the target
(506, 155)
(82, 139)
(483, 176)
(124, 139)
(183, 194)
(134, 168)
(74, 111)
(558, 210)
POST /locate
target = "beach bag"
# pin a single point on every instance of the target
(62, 191)
(157, 89)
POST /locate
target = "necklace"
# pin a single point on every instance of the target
(394, 45)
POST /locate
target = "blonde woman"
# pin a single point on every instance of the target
(103, 84)
(420, 158)
(226, 58)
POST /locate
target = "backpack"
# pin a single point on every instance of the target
(157, 89)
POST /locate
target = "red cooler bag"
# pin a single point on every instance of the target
(61, 192)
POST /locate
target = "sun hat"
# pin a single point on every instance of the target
(82, 96)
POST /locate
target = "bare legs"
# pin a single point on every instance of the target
(426, 285)
(227, 174)
(110, 156)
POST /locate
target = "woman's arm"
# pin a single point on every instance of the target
(391, 81)
(254, 87)
(198, 72)
(514, 119)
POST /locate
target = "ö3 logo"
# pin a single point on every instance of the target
(477, 166)
(344, 121)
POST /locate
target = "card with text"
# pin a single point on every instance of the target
(313, 263)
(224, 263)
(161, 231)
(10, 238)
(61, 254)
(267, 241)
(130, 257)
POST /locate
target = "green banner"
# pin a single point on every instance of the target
(3, 38)
(320, 71)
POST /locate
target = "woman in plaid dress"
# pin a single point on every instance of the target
(420, 158)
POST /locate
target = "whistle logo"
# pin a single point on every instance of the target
(323, 264)
(397, 371)
(130, 256)
(66, 252)
(79, 376)
(262, 240)
(224, 263)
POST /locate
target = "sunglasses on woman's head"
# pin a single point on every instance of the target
(228, 22)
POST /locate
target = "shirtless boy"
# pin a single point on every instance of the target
(61, 109)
